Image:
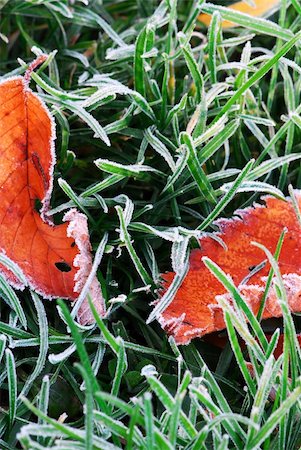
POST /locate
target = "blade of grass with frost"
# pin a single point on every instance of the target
(202, 395)
(180, 166)
(290, 331)
(116, 427)
(174, 420)
(89, 407)
(164, 90)
(201, 117)
(60, 8)
(149, 421)
(85, 289)
(296, 119)
(169, 403)
(217, 90)
(11, 298)
(14, 332)
(160, 148)
(99, 132)
(175, 110)
(125, 237)
(213, 385)
(45, 83)
(65, 133)
(213, 31)
(296, 4)
(231, 417)
(259, 136)
(227, 197)
(244, 72)
(211, 131)
(94, 340)
(284, 61)
(180, 273)
(62, 356)
(258, 75)
(109, 339)
(236, 348)
(62, 429)
(117, 346)
(285, 388)
(126, 408)
(217, 141)
(270, 277)
(290, 367)
(13, 267)
(80, 347)
(272, 422)
(294, 203)
(273, 343)
(279, 43)
(12, 385)
(77, 55)
(255, 186)
(192, 18)
(271, 164)
(265, 386)
(258, 25)
(119, 88)
(102, 185)
(290, 102)
(243, 67)
(288, 148)
(169, 234)
(258, 120)
(132, 429)
(44, 401)
(119, 429)
(86, 202)
(221, 175)
(241, 306)
(130, 170)
(192, 66)
(84, 115)
(121, 369)
(88, 18)
(77, 201)
(43, 347)
(120, 124)
(196, 170)
(277, 137)
(140, 49)
(142, 419)
(3, 340)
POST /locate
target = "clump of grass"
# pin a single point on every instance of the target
(162, 127)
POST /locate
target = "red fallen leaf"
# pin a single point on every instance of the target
(194, 310)
(55, 259)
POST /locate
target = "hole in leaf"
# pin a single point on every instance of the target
(63, 266)
(37, 205)
(73, 244)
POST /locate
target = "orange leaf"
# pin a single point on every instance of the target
(262, 7)
(194, 310)
(55, 260)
